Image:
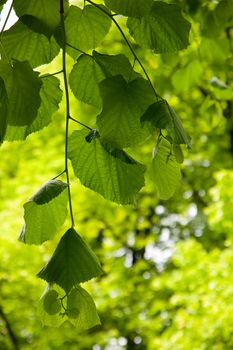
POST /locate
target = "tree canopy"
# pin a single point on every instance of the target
(137, 102)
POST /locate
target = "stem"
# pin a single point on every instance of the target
(67, 107)
(9, 330)
(128, 44)
(6, 20)
(50, 75)
(55, 177)
(75, 48)
(85, 126)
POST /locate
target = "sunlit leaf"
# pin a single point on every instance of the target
(81, 309)
(113, 174)
(162, 30)
(123, 105)
(23, 44)
(23, 91)
(85, 29)
(45, 212)
(162, 116)
(165, 171)
(50, 94)
(129, 7)
(72, 262)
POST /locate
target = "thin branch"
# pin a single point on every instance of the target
(10, 331)
(6, 20)
(67, 107)
(50, 75)
(55, 177)
(128, 44)
(79, 50)
(85, 126)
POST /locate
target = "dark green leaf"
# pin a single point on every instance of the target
(51, 95)
(123, 105)
(165, 171)
(81, 309)
(3, 110)
(23, 91)
(89, 71)
(48, 12)
(23, 44)
(107, 173)
(163, 30)
(51, 303)
(84, 79)
(85, 29)
(72, 262)
(129, 7)
(45, 212)
(162, 116)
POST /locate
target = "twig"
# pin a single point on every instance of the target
(10, 331)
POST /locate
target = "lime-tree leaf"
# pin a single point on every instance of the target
(3, 110)
(23, 44)
(89, 71)
(178, 153)
(85, 29)
(162, 116)
(72, 262)
(23, 91)
(48, 319)
(129, 7)
(81, 309)
(45, 212)
(112, 174)
(47, 12)
(51, 303)
(165, 171)
(84, 79)
(123, 105)
(162, 30)
(51, 96)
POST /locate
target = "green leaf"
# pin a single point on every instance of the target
(114, 175)
(123, 105)
(46, 11)
(163, 30)
(89, 71)
(84, 79)
(162, 116)
(129, 8)
(23, 91)
(81, 309)
(51, 96)
(51, 303)
(23, 44)
(3, 110)
(85, 29)
(72, 262)
(165, 171)
(45, 212)
(178, 153)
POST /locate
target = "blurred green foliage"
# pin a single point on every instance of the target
(168, 280)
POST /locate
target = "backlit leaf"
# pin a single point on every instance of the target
(85, 29)
(23, 91)
(165, 171)
(89, 71)
(113, 174)
(51, 95)
(48, 12)
(129, 7)
(23, 44)
(162, 116)
(81, 309)
(162, 30)
(3, 110)
(72, 262)
(45, 212)
(123, 105)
